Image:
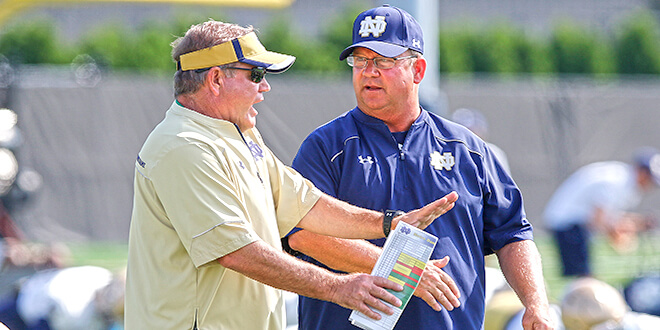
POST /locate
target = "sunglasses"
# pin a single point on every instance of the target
(257, 73)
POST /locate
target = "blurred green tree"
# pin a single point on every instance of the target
(34, 42)
(465, 47)
(455, 50)
(573, 48)
(637, 45)
(110, 45)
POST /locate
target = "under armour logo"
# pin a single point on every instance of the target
(375, 26)
(416, 43)
(366, 160)
(440, 161)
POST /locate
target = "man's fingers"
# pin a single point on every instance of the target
(429, 289)
(449, 290)
(446, 203)
(450, 297)
(364, 309)
(438, 288)
(450, 198)
(387, 284)
(453, 295)
(431, 301)
(370, 295)
(376, 302)
(383, 294)
(440, 262)
(437, 208)
(377, 298)
(435, 297)
(422, 218)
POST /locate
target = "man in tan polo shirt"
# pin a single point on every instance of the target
(212, 202)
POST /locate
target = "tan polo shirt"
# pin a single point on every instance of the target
(204, 190)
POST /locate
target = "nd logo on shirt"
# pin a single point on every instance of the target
(442, 161)
(374, 25)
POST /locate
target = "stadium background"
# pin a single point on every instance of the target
(84, 140)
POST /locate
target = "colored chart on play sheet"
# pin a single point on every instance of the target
(404, 257)
(407, 271)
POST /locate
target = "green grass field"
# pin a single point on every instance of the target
(105, 254)
(617, 269)
(609, 266)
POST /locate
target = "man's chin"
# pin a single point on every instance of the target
(248, 124)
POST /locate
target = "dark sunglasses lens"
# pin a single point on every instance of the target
(257, 74)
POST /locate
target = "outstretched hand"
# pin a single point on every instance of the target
(361, 291)
(422, 218)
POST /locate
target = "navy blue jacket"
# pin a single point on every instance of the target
(355, 158)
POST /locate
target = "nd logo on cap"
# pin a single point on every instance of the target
(374, 25)
(388, 31)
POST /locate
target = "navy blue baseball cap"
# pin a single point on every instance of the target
(388, 31)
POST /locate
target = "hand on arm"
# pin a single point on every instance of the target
(521, 264)
(435, 287)
(265, 264)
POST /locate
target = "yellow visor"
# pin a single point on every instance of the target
(246, 49)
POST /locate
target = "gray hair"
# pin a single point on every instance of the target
(200, 36)
(416, 54)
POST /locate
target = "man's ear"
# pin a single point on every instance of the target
(215, 80)
(419, 69)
